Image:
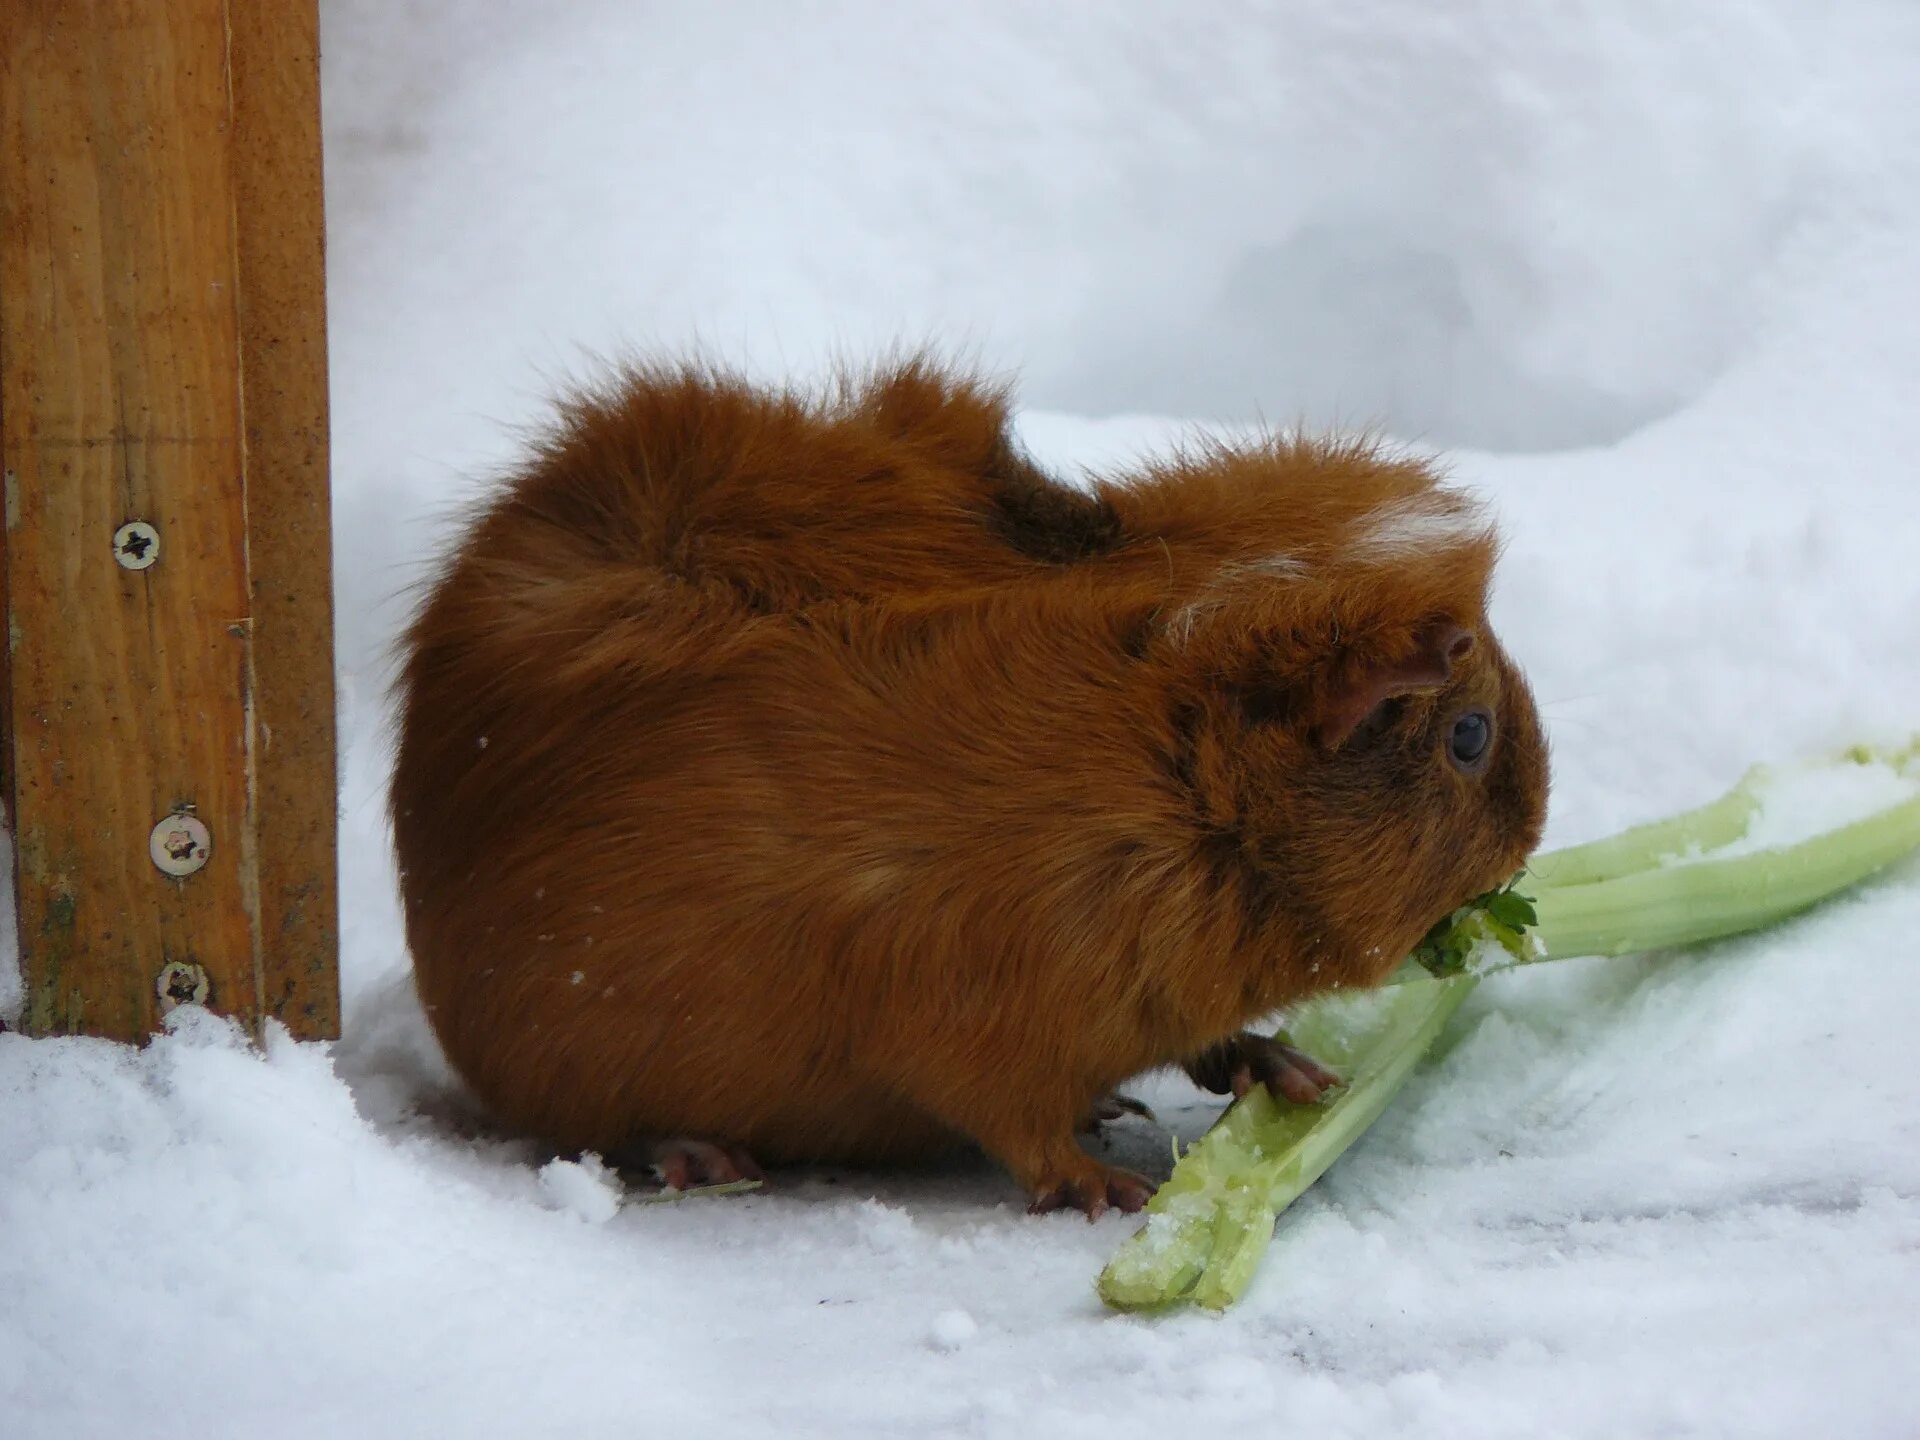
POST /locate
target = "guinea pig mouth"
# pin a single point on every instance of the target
(1499, 902)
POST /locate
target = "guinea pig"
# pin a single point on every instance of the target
(815, 778)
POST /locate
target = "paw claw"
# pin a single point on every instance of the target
(1235, 1066)
(1129, 1192)
(1094, 1195)
(1109, 1108)
(684, 1163)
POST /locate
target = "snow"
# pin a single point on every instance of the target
(583, 1187)
(1796, 801)
(1646, 276)
(951, 1329)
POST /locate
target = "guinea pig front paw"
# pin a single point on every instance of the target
(1092, 1191)
(1235, 1066)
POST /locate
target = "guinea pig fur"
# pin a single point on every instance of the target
(816, 777)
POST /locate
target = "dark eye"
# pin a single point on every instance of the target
(1472, 734)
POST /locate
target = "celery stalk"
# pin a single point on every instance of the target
(1707, 828)
(1684, 904)
(1692, 832)
(1210, 1224)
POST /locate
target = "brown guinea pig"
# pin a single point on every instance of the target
(817, 778)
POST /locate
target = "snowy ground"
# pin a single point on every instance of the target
(1646, 275)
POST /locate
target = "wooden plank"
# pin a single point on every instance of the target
(117, 337)
(274, 58)
(121, 364)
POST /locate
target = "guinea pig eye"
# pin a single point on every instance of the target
(1472, 736)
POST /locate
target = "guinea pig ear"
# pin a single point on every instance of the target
(1363, 685)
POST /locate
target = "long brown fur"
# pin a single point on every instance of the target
(819, 775)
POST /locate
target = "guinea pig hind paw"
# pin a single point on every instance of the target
(683, 1163)
(1112, 1107)
(1093, 1194)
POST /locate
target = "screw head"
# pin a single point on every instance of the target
(180, 844)
(136, 545)
(181, 982)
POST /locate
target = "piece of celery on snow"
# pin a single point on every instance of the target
(1209, 1224)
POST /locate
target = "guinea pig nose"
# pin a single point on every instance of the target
(1471, 738)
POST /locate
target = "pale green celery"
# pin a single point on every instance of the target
(1692, 832)
(1212, 1221)
(1661, 905)
(1686, 903)
(697, 1192)
(1707, 828)
(1640, 893)
(1242, 1230)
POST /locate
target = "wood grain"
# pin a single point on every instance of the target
(280, 244)
(128, 390)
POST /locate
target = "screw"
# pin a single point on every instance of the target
(136, 545)
(180, 843)
(181, 982)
